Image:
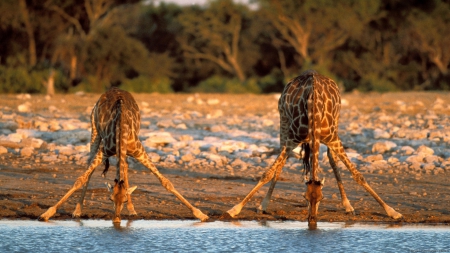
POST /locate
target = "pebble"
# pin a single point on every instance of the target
(377, 142)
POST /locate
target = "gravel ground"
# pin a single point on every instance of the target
(214, 148)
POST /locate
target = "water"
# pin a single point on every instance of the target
(239, 236)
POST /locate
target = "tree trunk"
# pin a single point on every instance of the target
(51, 83)
(30, 32)
(73, 67)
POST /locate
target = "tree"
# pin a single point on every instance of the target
(314, 28)
(30, 32)
(214, 34)
(430, 34)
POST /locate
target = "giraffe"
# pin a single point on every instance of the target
(115, 121)
(309, 112)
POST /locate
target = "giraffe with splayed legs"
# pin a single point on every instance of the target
(309, 112)
(115, 122)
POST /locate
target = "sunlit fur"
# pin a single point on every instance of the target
(119, 196)
(313, 197)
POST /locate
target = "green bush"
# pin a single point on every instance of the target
(145, 84)
(217, 84)
(91, 84)
(21, 80)
(273, 82)
(374, 83)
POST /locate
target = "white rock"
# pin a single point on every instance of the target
(170, 159)
(380, 165)
(381, 134)
(3, 150)
(267, 122)
(187, 157)
(26, 151)
(158, 139)
(24, 107)
(407, 150)
(66, 150)
(414, 159)
(14, 137)
(181, 126)
(215, 114)
(213, 101)
(154, 157)
(238, 163)
(424, 150)
(190, 99)
(218, 128)
(344, 102)
(433, 159)
(217, 159)
(52, 109)
(33, 142)
(50, 158)
(381, 147)
(165, 123)
(23, 96)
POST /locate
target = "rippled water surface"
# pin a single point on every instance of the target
(239, 236)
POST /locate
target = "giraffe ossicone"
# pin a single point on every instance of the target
(309, 109)
(115, 121)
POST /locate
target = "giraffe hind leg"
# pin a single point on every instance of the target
(345, 202)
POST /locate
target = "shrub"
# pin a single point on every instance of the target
(217, 84)
(21, 80)
(145, 84)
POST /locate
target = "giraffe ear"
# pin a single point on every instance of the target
(322, 182)
(131, 190)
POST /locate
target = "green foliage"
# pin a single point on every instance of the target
(22, 80)
(92, 84)
(223, 46)
(145, 84)
(218, 84)
(374, 83)
(272, 82)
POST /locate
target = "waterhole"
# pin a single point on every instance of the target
(237, 236)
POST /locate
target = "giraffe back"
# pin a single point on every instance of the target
(116, 107)
(308, 96)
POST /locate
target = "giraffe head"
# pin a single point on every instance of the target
(313, 196)
(119, 196)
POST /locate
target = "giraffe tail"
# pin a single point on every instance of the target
(306, 159)
(121, 139)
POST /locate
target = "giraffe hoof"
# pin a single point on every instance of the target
(260, 211)
(225, 216)
(41, 218)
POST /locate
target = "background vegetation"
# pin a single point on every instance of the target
(373, 45)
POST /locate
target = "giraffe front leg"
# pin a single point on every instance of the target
(78, 207)
(266, 177)
(345, 202)
(130, 206)
(359, 178)
(78, 183)
(143, 158)
(262, 208)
